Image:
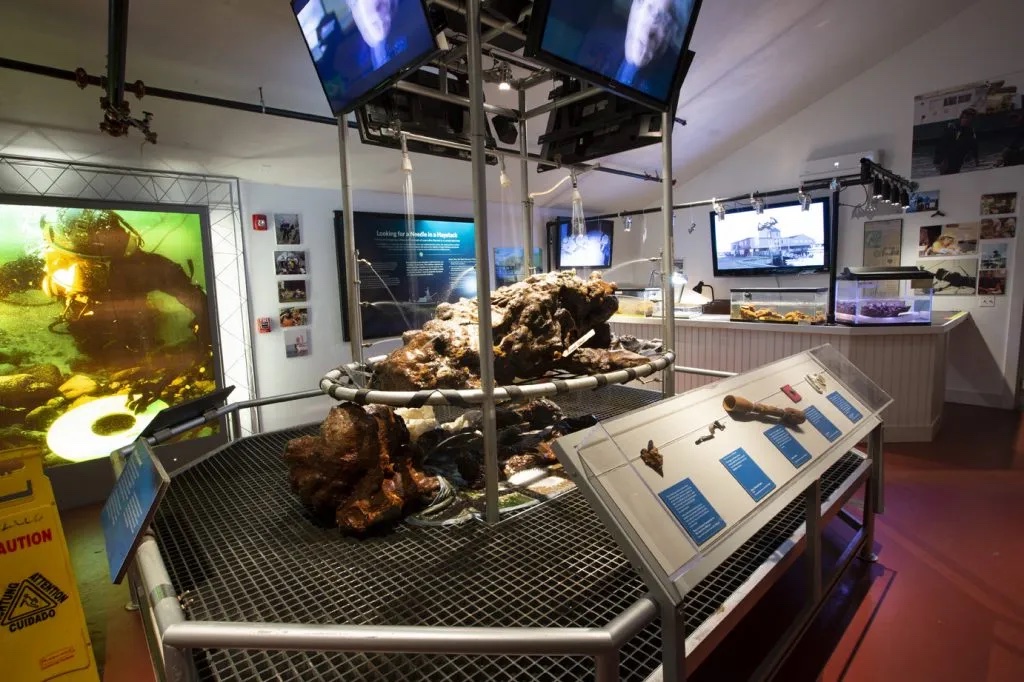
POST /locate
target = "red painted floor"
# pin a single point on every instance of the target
(944, 603)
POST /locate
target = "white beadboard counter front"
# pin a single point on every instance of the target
(908, 362)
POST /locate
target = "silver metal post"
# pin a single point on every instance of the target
(872, 494)
(812, 502)
(524, 173)
(673, 643)
(668, 309)
(483, 280)
(355, 320)
(876, 451)
(606, 667)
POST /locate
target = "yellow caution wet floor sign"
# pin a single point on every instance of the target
(43, 635)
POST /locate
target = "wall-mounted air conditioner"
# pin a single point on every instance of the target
(836, 166)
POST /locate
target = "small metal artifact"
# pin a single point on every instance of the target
(741, 407)
(704, 439)
(652, 458)
(816, 381)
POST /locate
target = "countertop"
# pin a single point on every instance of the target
(942, 323)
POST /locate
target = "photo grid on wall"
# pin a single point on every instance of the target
(291, 266)
(972, 258)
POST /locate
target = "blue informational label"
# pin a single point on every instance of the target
(130, 506)
(844, 406)
(788, 445)
(693, 511)
(821, 422)
(748, 474)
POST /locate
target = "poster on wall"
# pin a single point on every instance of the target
(952, 277)
(406, 269)
(294, 317)
(993, 255)
(290, 263)
(999, 204)
(508, 264)
(296, 343)
(287, 228)
(998, 228)
(292, 291)
(956, 239)
(105, 320)
(992, 282)
(972, 127)
(883, 242)
(923, 202)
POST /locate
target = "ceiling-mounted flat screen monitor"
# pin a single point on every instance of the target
(595, 127)
(636, 48)
(360, 47)
(394, 110)
(593, 249)
(783, 240)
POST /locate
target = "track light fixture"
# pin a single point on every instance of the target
(579, 222)
(884, 185)
(894, 194)
(627, 224)
(503, 178)
(757, 202)
(805, 199)
(905, 199)
(718, 208)
(878, 188)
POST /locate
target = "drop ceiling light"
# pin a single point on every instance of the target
(579, 222)
(757, 202)
(805, 200)
(718, 208)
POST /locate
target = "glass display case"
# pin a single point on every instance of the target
(794, 305)
(884, 296)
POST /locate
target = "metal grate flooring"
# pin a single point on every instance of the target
(240, 547)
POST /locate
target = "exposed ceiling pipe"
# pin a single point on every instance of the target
(84, 80)
(117, 51)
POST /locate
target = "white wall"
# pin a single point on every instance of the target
(276, 374)
(875, 111)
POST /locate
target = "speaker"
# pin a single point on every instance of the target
(506, 129)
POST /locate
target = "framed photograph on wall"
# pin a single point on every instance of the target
(955, 239)
(292, 291)
(999, 228)
(999, 204)
(296, 343)
(290, 263)
(287, 228)
(953, 276)
(294, 317)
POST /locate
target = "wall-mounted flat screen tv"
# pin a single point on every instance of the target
(593, 249)
(636, 48)
(106, 318)
(360, 47)
(407, 268)
(782, 240)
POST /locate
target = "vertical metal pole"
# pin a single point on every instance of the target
(668, 308)
(876, 451)
(355, 319)
(483, 280)
(673, 643)
(606, 667)
(813, 539)
(525, 182)
(872, 494)
(833, 260)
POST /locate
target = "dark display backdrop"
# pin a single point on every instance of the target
(413, 269)
(105, 319)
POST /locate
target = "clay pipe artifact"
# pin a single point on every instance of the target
(740, 407)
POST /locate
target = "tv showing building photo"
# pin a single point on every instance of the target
(778, 239)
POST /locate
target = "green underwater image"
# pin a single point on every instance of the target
(104, 321)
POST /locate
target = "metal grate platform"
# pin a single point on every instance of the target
(240, 547)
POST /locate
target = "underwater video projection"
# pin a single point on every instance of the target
(105, 319)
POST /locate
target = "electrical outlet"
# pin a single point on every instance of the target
(988, 301)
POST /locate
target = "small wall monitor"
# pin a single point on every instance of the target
(782, 240)
(590, 250)
(635, 48)
(360, 47)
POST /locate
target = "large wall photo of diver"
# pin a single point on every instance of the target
(104, 321)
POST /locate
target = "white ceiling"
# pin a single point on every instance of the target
(758, 63)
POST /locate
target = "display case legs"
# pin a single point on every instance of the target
(873, 494)
(673, 644)
(812, 497)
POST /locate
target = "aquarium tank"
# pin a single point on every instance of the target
(105, 319)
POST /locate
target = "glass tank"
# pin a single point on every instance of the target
(884, 296)
(796, 305)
